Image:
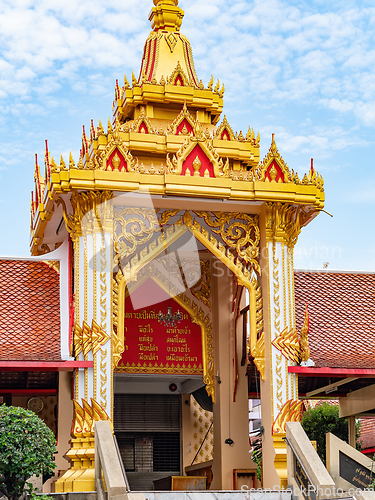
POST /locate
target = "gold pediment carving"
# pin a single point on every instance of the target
(225, 131)
(181, 119)
(205, 145)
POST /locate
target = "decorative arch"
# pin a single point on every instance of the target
(117, 157)
(205, 154)
(183, 124)
(142, 124)
(143, 128)
(273, 168)
(178, 76)
(197, 163)
(197, 315)
(236, 246)
(225, 132)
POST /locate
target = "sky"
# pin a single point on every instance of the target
(303, 70)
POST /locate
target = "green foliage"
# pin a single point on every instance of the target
(40, 496)
(324, 418)
(256, 453)
(26, 448)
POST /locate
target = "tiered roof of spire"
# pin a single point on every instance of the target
(160, 126)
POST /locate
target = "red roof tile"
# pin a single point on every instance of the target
(29, 311)
(342, 317)
(367, 433)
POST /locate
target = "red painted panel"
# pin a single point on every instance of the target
(206, 164)
(225, 135)
(148, 57)
(308, 371)
(43, 366)
(143, 129)
(26, 392)
(279, 175)
(179, 81)
(149, 346)
(123, 165)
(153, 60)
(183, 124)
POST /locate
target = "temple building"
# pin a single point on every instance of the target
(159, 294)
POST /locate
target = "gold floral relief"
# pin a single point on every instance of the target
(233, 238)
(258, 352)
(103, 378)
(202, 288)
(284, 222)
(279, 381)
(82, 203)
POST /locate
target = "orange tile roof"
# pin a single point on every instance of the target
(367, 433)
(29, 311)
(342, 317)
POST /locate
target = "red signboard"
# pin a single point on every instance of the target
(151, 347)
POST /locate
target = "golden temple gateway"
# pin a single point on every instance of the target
(175, 249)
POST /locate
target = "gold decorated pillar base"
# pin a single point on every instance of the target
(290, 412)
(81, 475)
(280, 462)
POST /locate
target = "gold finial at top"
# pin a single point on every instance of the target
(168, 2)
(166, 15)
(273, 144)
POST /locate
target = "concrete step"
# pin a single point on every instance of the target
(211, 495)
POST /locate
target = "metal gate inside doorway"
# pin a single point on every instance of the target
(147, 428)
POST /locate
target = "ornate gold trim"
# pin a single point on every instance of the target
(183, 115)
(284, 222)
(103, 284)
(276, 289)
(257, 343)
(224, 125)
(272, 158)
(291, 411)
(287, 343)
(269, 339)
(202, 288)
(53, 264)
(237, 246)
(205, 142)
(304, 351)
(113, 144)
(167, 368)
(136, 124)
(103, 378)
(197, 316)
(178, 72)
(88, 339)
(258, 352)
(85, 266)
(82, 203)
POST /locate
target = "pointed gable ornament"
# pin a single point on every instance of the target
(198, 147)
(225, 131)
(183, 124)
(178, 76)
(142, 124)
(273, 168)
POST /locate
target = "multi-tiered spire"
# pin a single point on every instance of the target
(164, 128)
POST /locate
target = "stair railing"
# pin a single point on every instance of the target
(110, 477)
